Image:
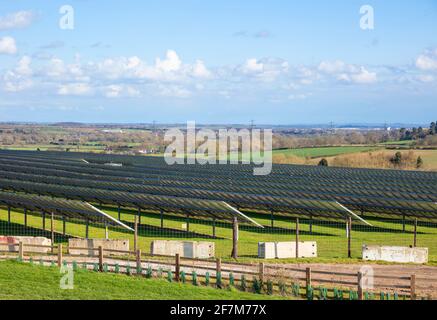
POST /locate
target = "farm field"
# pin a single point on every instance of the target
(330, 235)
(323, 151)
(23, 281)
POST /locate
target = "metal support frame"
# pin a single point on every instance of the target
(25, 217)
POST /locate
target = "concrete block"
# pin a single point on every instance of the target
(284, 250)
(6, 243)
(395, 254)
(106, 244)
(186, 249)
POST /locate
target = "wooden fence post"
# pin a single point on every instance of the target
(135, 233)
(308, 277)
(297, 238)
(119, 213)
(218, 266)
(272, 218)
(138, 258)
(60, 255)
(261, 271)
(52, 230)
(177, 272)
(9, 214)
(20, 251)
(349, 237)
(213, 228)
(100, 258)
(235, 238)
(415, 233)
(413, 287)
(360, 286)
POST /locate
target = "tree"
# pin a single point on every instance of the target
(432, 128)
(419, 162)
(323, 163)
(397, 159)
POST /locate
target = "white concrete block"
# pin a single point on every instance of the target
(186, 249)
(106, 244)
(284, 250)
(395, 254)
(6, 243)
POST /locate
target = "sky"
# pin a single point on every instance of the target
(228, 61)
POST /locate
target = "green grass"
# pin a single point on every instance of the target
(330, 236)
(23, 281)
(322, 151)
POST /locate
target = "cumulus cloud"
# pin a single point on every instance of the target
(17, 20)
(427, 61)
(74, 89)
(172, 62)
(8, 45)
(19, 78)
(348, 73)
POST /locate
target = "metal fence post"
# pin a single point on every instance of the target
(415, 233)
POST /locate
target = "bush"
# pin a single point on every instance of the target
(323, 163)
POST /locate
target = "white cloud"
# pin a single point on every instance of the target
(253, 66)
(427, 61)
(426, 78)
(200, 70)
(8, 45)
(20, 19)
(74, 89)
(364, 77)
(19, 78)
(170, 63)
(118, 91)
(348, 73)
(174, 91)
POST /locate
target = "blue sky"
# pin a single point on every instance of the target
(275, 62)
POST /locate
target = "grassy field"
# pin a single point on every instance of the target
(22, 281)
(330, 236)
(322, 152)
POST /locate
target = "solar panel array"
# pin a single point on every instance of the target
(148, 182)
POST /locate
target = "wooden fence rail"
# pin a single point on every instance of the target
(260, 271)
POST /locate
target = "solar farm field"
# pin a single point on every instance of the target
(207, 202)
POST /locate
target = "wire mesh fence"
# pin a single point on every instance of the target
(333, 238)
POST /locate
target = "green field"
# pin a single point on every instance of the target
(330, 235)
(322, 151)
(23, 281)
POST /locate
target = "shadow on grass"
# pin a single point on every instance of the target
(15, 229)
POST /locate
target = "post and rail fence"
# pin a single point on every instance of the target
(104, 260)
